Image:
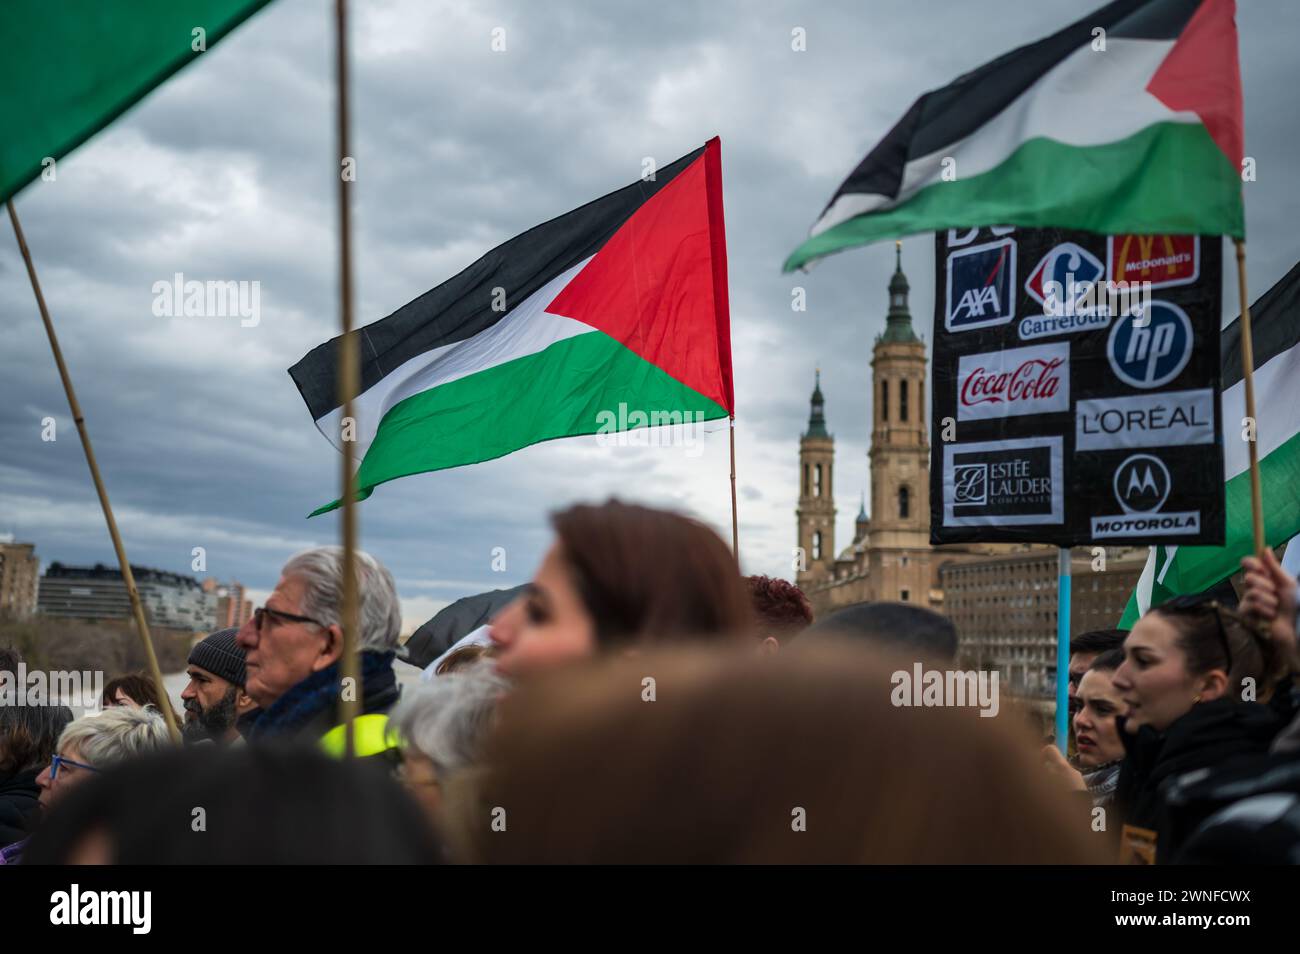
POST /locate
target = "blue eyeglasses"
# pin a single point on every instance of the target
(58, 760)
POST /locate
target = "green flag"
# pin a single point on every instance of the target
(1275, 321)
(68, 68)
(1128, 120)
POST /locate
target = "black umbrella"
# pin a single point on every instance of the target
(453, 622)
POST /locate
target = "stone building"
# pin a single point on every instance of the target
(19, 579)
(1005, 606)
(890, 556)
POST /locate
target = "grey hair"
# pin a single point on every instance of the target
(115, 734)
(321, 571)
(447, 719)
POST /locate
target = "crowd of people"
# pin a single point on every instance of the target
(642, 701)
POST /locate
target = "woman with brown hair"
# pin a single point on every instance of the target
(692, 755)
(1192, 671)
(135, 689)
(622, 575)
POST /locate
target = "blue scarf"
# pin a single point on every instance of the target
(319, 693)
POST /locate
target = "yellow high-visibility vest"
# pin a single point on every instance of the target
(371, 735)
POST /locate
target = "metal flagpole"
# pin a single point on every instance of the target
(128, 578)
(1063, 649)
(1248, 374)
(349, 380)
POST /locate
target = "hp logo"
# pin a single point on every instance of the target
(1150, 353)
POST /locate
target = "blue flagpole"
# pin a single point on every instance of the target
(1063, 649)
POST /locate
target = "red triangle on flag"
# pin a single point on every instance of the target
(1201, 74)
(659, 285)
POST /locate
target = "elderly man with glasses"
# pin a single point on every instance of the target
(292, 647)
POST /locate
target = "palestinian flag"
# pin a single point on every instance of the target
(610, 317)
(1143, 136)
(1275, 323)
(70, 68)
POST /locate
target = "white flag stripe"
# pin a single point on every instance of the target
(1277, 408)
(528, 329)
(1145, 582)
(1088, 99)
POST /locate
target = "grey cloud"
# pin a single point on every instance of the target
(227, 172)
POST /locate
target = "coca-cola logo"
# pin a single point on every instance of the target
(1033, 380)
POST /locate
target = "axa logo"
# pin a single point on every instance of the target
(1063, 278)
(981, 286)
(1148, 352)
(1142, 484)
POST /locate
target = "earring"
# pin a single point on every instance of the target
(1196, 698)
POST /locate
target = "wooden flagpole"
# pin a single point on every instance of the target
(349, 382)
(128, 578)
(1248, 374)
(735, 531)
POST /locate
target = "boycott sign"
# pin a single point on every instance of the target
(1078, 375)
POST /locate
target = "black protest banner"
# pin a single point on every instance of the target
(1076, 388)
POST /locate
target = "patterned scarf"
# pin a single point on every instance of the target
(319, 693)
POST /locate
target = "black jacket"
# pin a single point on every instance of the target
(1213, 735)
(18, 805)
(1244, 813)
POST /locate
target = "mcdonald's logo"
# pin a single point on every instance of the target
(1162, 260)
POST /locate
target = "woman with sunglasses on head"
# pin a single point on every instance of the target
(88, 746)
(1192, 673)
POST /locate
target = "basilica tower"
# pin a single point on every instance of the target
(816, 511)
(900, 456)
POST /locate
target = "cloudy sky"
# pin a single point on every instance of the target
(227, 173)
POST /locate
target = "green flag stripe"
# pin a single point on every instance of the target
(1136, 184)
(71, 67)
(1198, 568)
(574, 387)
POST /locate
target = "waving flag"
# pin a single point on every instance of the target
(1129, 120)
(610, 317)
(70, 68)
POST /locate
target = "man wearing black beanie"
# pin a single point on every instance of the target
(216, 706)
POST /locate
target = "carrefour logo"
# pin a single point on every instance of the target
(1149, 350)
(1064, 280)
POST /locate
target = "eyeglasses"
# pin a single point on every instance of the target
(1198, 602)
(58, 760)
(262, 612)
